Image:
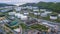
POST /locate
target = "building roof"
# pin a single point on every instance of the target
(53, 14)
(31, 21)
(17, 30)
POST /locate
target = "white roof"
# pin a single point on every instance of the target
(17, 30)
(17, 14)
(48, 24)
(23, 16)
(44, 23)
(59, 15)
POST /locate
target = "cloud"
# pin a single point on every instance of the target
(22, 1)
(25, 1)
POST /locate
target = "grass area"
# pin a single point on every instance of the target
(32, 15)
(2, 13)
(24, 26)
(39, 27)
(58, 20)
(35, 26)
(46, 18)
(15, 27)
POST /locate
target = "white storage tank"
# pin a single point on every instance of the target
(12, 13)
(24, 17)
(48, 12)
(36, 13)
(42, 9)
(35, 9)
(58, 15)
(18, 15)
(43, 15)
(53, 17)
(18, 8)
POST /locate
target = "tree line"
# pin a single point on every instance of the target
(48, 5)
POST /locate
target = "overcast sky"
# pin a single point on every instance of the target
(25, 1)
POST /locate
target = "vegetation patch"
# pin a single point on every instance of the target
(39, 27)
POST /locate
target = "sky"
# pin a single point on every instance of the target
(25, 1)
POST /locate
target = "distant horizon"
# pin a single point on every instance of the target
(20, 2)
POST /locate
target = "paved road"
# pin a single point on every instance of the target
(49, 22)
(1, 30)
